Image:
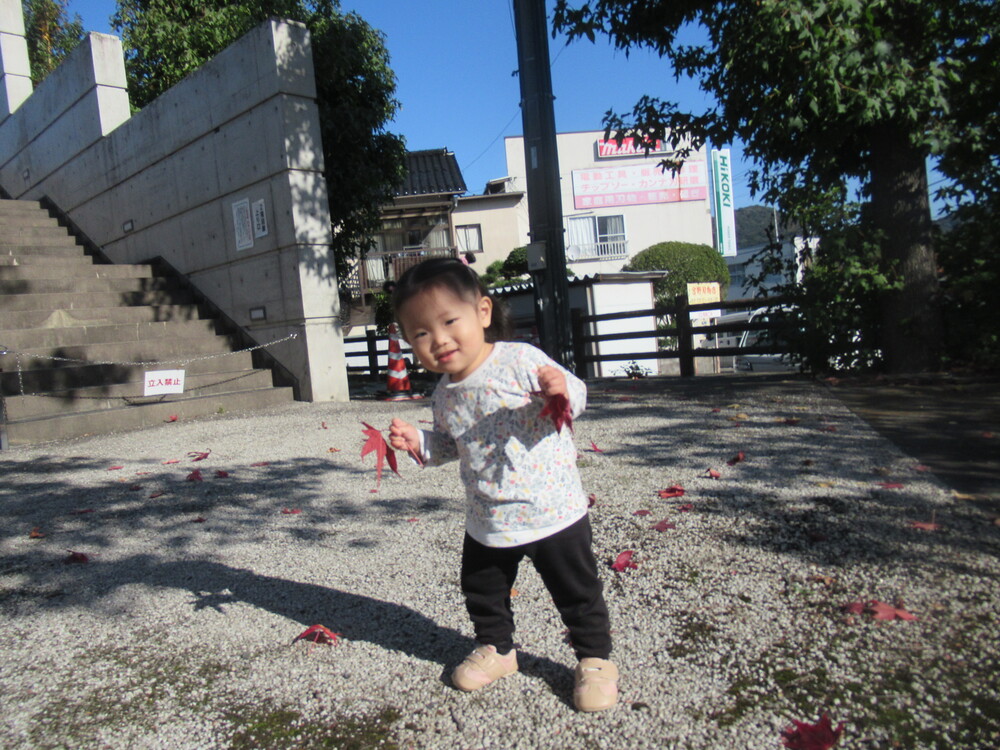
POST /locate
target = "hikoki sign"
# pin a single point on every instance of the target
(158, 382)
(725, 212)
(636, 184)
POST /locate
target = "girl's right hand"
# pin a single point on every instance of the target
(403, 436)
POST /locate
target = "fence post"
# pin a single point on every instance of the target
(372, 352)
(576, 330)
(685, 349)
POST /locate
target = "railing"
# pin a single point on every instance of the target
(612, 250)
(682, 330)
(377, 268)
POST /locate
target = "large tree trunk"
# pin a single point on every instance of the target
(912, 332)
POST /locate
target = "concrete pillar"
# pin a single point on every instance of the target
(15, 70)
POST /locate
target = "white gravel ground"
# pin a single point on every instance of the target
(178, 631)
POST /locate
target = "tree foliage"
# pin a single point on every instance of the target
(824, 91)
(50, 33)
(165, 40)
(685, 263)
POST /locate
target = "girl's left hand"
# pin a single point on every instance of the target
(552, 381)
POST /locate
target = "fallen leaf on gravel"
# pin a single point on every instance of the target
(591, 500)
(828, 428)
(171, 418)
(514, 592)
(883, 611)
(135, 488)
(825, 580)
(818, 736)
(737, 458)
(155, 495)
(623, 561)
(921, 467)
(317, 634)
(789, 420)
(663, 525)
(712, 474)
(76, 557)
(261, 463)
(81, 512)
(172, 461)
(322, 426)
(925, 525)
(199, 519)
(557, 408)
(674, 490)
(685, 507)
(626, 398)
(716, 410)
(891, 485)
(854, 608)
(36, 533)
(641, 513)
(412, 520)
(291, 511)
(221, 474)
(383, 453)
(594, 448)
(334, 450)
(198, 455)
(738, 418)
(194, 476)
(825, 484)
(115, 468)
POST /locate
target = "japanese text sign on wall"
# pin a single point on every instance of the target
(163, 381)
(242, 224)
(635, 184)
(700, 293)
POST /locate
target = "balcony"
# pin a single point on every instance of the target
(614, 249)
(377, 268)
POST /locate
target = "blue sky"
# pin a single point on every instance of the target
(454, 62)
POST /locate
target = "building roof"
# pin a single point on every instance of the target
(431, 172)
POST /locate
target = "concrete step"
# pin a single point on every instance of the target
(127, 418)
(13, 207)
(63, 239)
(36, 218)
(23, 339)
(12, 302)
(69, 286)
(68, 264)
(154, 353)
(16, 234)
(78, 400)
(31, 376)
(90, 316)
(93, 271)
(40, 251)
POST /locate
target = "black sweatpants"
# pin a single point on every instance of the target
(566, 564)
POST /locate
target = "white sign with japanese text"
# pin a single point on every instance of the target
(163, 381)
(242, 224)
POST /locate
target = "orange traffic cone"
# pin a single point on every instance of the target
(398, 385)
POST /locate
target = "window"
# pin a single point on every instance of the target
(596, 238)
(470, 238)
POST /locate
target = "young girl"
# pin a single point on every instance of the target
(524, 493)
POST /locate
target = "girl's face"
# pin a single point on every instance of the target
(447, 332)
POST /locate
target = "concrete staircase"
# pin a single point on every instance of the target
(75, 330)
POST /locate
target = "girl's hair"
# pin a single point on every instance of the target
(458, 278)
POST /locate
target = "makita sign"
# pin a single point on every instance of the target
(629, 147)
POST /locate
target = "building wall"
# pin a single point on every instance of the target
(499, 219)
(243, 131)
(645, 223)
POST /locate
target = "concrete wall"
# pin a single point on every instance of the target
(498, 219)
(241, 132)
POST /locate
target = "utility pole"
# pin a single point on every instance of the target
(541, 159)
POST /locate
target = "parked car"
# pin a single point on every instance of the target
(760, 362)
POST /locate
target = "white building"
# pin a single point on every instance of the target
(616, 202)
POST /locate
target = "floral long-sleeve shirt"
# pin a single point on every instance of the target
(520, 474)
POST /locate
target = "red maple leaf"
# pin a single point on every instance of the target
(115, 468)
(195, 476)
(882, 611)
(171, 418)
(172, 461)
(221, 474)
(925, 525)
(76, 557)
(262, 463)
(81, 511)
(198, 455)
(854, 608)
(36, 533)
(685, 507)
(383, 453)
(334, 450)
(317, 634)
(891, 485)
(155, 495)
(712, 474)
(641, 513)
(663, 525)
(291, 511)
(557, 408)
(818, 736)
(591, 500)
(740, 455)
(623, 561)
(594, 448)
(199, 519)
(322, 426)
(674, 490)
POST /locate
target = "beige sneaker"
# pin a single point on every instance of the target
(596, 685)
(483, 666)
